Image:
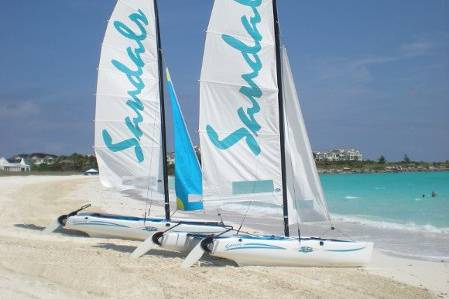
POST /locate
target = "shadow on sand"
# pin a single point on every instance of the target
(206, 260)
(60, 230)
(30, 226)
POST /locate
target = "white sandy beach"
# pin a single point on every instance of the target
(34, 265)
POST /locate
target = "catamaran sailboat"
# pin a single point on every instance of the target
(255, 146)
(130, 139)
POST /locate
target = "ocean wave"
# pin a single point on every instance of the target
(274, 211)
(351, 197)
(421, 257)
(409, 226)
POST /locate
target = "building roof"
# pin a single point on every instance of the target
(3, 161)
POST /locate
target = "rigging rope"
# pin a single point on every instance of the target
(244, 216)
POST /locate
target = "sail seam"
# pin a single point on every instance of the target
(110, 46)
(227, 132)
(126, 3)
(149, 99)
(235, 84)
(143, 146)
(119, 121)
(242, 38)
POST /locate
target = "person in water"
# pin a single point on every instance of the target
(434, 194)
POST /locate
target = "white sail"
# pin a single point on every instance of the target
(239, 118)
(305, 195)
(127, 119)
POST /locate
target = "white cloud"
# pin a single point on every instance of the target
(356, 70)
(18, 109)
(415, 49)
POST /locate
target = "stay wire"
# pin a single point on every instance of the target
(244, 216)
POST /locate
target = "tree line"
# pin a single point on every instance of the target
(74, 162)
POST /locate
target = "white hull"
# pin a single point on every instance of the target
(134, 228)
(249, 250)
(289, 252)
(181, 242)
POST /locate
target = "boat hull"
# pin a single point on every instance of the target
(250, 250)
(134, 228)
(290, 252)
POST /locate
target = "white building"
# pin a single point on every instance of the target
(14, 167)
(339, 155)
(354, 155)
(36, 160)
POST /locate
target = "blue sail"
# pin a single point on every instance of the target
(188, 184)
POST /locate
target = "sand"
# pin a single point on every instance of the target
(35, 265)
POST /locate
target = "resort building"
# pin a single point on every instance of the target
(36, 158)
(5, 165)
(339, 155)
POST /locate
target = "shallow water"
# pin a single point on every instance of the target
(395, 198)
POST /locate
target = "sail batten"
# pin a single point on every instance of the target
(128, 122)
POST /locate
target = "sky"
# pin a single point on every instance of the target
(373, 75)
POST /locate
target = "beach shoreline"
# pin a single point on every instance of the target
(370, 171)
(66, 266)
(320, 171)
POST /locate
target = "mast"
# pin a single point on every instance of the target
(281, 119)
(162, 112)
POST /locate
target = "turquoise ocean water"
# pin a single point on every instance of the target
(395, 198)
(386, 208)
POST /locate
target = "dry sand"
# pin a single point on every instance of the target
(34, 265)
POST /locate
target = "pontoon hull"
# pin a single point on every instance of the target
(289, 252)
(133, 228)
(249, 250)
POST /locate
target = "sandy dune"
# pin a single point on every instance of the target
(34, 265)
